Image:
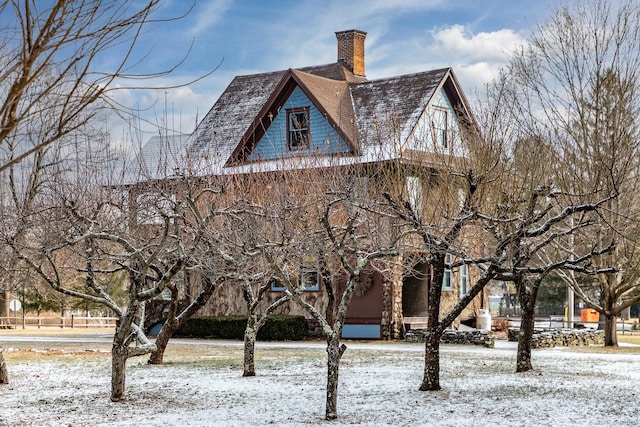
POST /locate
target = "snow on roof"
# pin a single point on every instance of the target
(394, 104)
(369, 114)
(224, 125)
(162, 156)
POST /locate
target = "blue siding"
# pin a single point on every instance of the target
(324, 138)
(361, 331)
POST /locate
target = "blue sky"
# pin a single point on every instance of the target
(403, 36)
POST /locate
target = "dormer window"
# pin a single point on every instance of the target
(298, 128)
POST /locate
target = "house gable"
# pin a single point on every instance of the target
(388, 109)
(330, 118)
(440, 125)
(217, 135)
(322, 136)
(438, 128)
(405, 112)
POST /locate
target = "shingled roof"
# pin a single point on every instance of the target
(365, 113)
(398, 102)
(222, 129)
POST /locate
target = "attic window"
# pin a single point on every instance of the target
(440, 127)
(298, 128)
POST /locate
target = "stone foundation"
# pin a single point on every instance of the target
(476, 337)
(548, 338)
(313, 328)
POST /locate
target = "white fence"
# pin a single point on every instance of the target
(59, 322)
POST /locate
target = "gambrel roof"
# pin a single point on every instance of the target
(363, 113)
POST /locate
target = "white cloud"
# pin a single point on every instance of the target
(209, 15)
(493, 46)
(474, 76)
(475, 58)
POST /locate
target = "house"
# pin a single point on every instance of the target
(268, 121)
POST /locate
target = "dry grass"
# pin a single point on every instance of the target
(50, 345)
(48, 331)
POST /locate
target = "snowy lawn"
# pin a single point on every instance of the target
(61, 383)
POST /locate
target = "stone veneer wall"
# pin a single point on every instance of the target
(386, 321)
(548, 338)
(475, 337)
(313, 328)
(397, 328)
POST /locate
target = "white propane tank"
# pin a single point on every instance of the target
(483, 320)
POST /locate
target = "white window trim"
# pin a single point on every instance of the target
(441, 130)
(446, 277)
(275, 285)
(464, 280)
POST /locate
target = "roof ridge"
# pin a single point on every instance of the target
(417, 73)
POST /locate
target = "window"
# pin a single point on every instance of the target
(446, 278)
(276, 285)
(310, 280)
(414, 190)
(464, 280)
(298, 128)
(440, 127)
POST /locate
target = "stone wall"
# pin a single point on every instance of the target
(547, 338)
(475, 337)
(313, 328)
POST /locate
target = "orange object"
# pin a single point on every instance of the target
(589, 315)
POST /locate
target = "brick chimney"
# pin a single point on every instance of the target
(351, 50)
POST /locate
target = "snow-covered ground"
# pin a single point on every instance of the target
(378, 387)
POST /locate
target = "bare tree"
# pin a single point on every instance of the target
(51, 57)
(533, 209)
(334, 238)
(578, 80)
(253, 275)
(436, 197)
(439, 239)
(53, 83)
(83, 228)
(233, 228)
(198, 225)
(532, 225)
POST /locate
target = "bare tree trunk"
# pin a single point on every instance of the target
(527, 324)
(4, 374)
(334, 354)
(175, 321)
(120, 353)
(5, 298)
(527, 297)
(250, 334)
(431, 379)
(118, 370)
(169, 328)
(610, 330)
